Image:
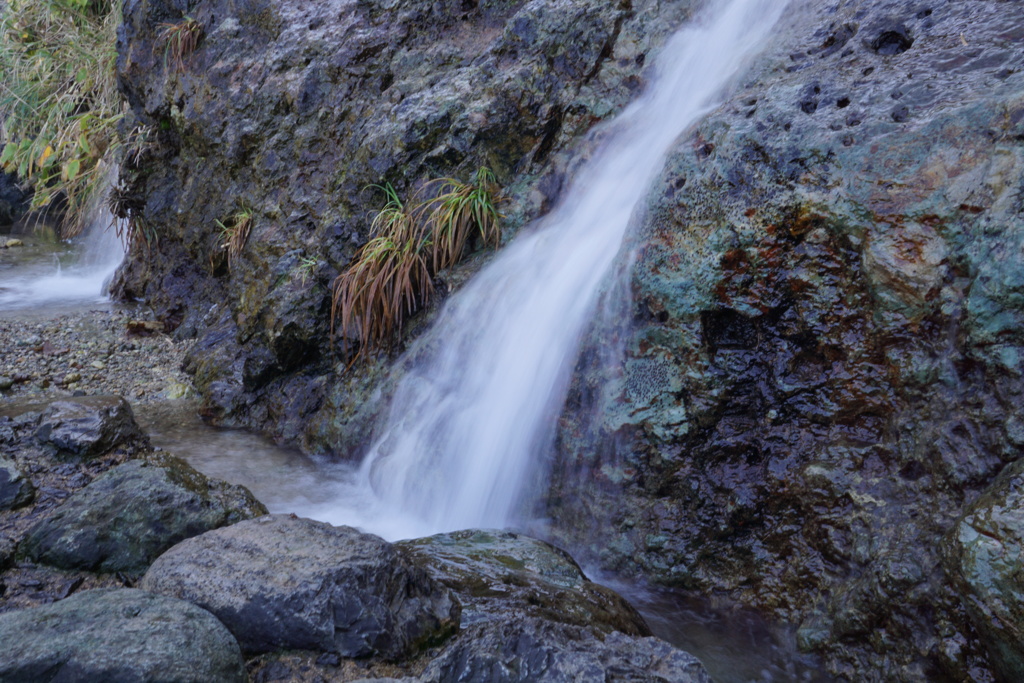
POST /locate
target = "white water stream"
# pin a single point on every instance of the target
(53, 277)
(475, 416)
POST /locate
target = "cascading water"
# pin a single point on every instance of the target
(72, 275)
(476, 412)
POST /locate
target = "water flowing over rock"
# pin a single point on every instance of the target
(291, 109)
(823, 363)
(282, 582)
(118, 635)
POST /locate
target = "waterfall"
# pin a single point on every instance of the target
(72, 276)
(476, 413)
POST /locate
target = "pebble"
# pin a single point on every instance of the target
(13, 243)
(57, 357)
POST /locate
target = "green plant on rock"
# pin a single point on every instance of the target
(391, 276)
(387, 279)
(454, 209)
(307, 266)
(59, 104)
(234, 232)
(180, 40)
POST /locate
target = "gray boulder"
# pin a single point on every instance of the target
(501, 574)
(128, 516)
(87, 426)
(281, 582)
(15, 489)
(984, 556)
(117, 636)
(537, 651)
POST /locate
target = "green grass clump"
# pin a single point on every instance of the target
(234, 232)
(181, 39)
(454, 209)
(391, 276)
(59, 104)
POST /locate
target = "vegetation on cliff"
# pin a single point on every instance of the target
(59, 104)
(390, 276)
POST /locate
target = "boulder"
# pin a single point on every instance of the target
(122, 635)
(129, 515)
(84, 427)
(15, 489)
(282, 582)
(537, 651)
(501, 574)
(984, 556)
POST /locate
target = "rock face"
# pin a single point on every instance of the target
(290, 110)
(118, 635)
(281, 582)
(87, 426)
(127, 517)
(501, 575)
(985, 559)
(824, 361)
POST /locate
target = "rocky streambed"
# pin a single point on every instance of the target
(120, 562)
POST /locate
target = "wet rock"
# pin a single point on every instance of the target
(15, 489)
(128, 516)
(332, 99)
(985, 559)
(117, 635)
(889, 37)
(501, 574)
(6, 383)
(13, 243)
(532, 650)
(87, 426)
(281, 582)
(823, 359)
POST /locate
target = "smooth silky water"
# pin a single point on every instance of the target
(47, 277)
(472, 422)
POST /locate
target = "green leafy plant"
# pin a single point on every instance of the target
(59, 105)
(234, 232)
(181, 39)
(391, 276)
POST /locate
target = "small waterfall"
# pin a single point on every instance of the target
(476, 413)
(73, 276)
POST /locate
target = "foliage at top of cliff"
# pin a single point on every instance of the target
(59, 103)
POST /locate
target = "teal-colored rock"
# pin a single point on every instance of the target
(985, 560)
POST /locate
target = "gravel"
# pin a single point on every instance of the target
(88, 352)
